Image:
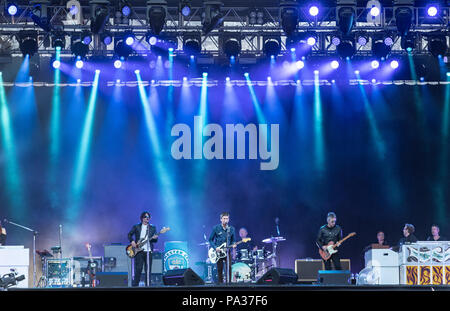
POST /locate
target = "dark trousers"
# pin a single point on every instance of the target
(336, 259)
(221, 263)
(140, 261)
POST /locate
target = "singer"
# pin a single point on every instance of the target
(220, 234)
(2, 235)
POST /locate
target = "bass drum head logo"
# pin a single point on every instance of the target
(175, 259)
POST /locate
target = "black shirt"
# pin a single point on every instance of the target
(327, 234)
(219, 236)
(409, 239)
(248, 245)
(441, 238)
(2, 239)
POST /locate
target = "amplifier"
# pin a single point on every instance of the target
(59, 272)
(112, 279)
(334, 277)
(307, 269)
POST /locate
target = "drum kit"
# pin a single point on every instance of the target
(249, 264)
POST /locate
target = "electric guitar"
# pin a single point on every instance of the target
(132, 251)
(214, 255)
(92, 266)
(331, 247)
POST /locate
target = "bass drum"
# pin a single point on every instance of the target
(241, 272)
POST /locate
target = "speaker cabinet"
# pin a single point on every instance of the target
(112, 279)
(334, 277)
(182, 277)
(307, 269)
(277, 276)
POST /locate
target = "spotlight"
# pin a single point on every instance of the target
(156, 15)
(12, 8)
(311, 41)
(122, 49)
(59, 40)
(245, 74)
(313, 10)
(356, 72)
(289, 16)
(212, 15)
(129, 38)
(78, 48)
(106, 38)
(28, 42)
(437, 45)
(125, 9)
(394, 64)
(335, 64)
(192, 43)
(403, 13)
(151, 38)
(39, 14)
(99, 15)
(380, 50)
(79, 64)
(56, 64)
(346, 49)
(117, 63)
(432, 10)
(316, 72)
(362, 40)
(232, 47)
(336, 40)
(346, 14)
(137, 71)
(272, 46)
(300, 64)
(185, 8)
(375, 64)
(86, 38)
(374, 11)
(389, 41)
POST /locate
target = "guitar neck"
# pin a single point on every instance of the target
(347, 237)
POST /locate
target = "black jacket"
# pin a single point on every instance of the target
(2, 239)
(135, 234)
(409, 239)
(219, 236)
(327, 234)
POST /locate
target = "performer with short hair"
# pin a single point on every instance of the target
(141, 231)
(330, 233)
(243, 233)
(435, 234)
(408, 235)
(223, 233)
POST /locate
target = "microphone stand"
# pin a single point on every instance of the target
(148, 258)
(228, 258)
(35, 233)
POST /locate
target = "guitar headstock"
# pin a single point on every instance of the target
(88, 246)
(352, 234)
(164, 229)
(245, 240)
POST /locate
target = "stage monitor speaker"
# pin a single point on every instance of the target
(277, 276)
(334, 277)
(307, 269)
(112, 279)
(182, 277)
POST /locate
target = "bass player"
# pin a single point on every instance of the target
(330, 233)
(142, 231)
(223, 233)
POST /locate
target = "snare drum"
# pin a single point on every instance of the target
(241, 272)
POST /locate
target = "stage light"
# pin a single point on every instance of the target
(56, 64)
(227, 79)
(375, 64)
(78, 80)
(437, 45)
(380, 50)
(99, 15)
(300, 64)
(205, 74)
(125, 9)
(232, 47)
(129, 38)
(316, 72)
(389, 41)
(272, 47)
(192, 43)
(106, 38)
(122, 49)
(185, 8)
(77, 47)
(289, 16)
(346, 15)
(79, 64)
(58, 40)
(74, 7)
(374, 11)
(356, 72)
(313, 10)
(39, 14)
(336, 40)
(403, 13)
(335, 64)
(246, 74)
(346, 49)
(374, 80)
(97, 70)
(432, 10)
(333, 81)
(394, 64)
(12, 8)
(362, 40)
(185, 79)
(156, 15)
(86, 38)
(117, 63)
(212, 16)
(137, 71)
(311, 41)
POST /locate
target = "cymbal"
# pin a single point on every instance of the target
(204, 243)
(274, 239)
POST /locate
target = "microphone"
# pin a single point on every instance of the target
(5, 220)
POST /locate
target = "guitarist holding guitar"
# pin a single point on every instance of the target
(328, 240)
(223, 234)
(145, 232)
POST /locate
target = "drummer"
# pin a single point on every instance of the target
(249, 246)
